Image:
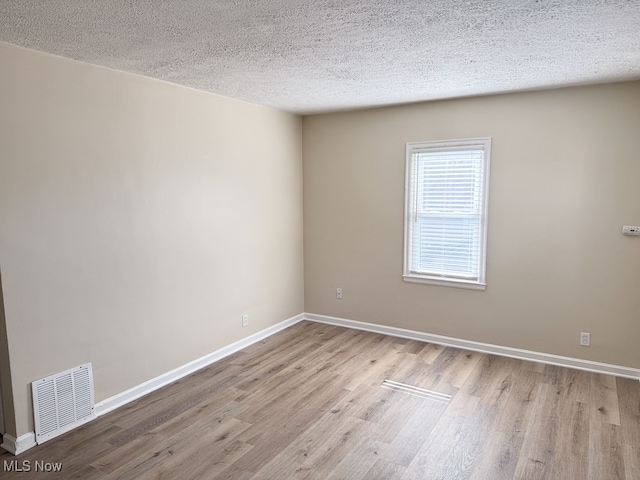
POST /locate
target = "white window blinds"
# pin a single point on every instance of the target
(445, 225)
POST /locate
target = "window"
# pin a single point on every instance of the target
(446, 212)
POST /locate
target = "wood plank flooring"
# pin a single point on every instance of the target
(308, 403)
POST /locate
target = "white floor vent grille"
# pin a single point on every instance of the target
(62, 402)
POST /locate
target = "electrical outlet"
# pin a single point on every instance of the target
(339, 293)
(585, 339)
(245, 320)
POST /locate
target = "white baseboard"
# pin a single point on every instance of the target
(20, 444)
(518, 353)
(160, 381)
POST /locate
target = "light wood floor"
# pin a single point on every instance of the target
(308, 403)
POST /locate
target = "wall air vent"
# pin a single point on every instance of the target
(62, 402)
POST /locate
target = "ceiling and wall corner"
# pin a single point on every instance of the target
(325, 55)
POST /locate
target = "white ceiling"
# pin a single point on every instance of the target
(311, 56)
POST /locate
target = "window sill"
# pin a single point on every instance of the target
(444, 283)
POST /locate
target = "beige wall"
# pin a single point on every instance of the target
(565, 169)
(138, 221)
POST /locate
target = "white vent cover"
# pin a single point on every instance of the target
(62, 402)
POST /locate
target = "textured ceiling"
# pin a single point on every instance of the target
(311, 56)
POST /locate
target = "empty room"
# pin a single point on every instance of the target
(320, 240)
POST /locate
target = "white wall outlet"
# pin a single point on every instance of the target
(245, 320)
(585, 339)
(339, 293)
(630, 230)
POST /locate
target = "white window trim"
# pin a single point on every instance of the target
(407, 275)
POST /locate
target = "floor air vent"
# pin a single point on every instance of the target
(62, 402)
(417, 391)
